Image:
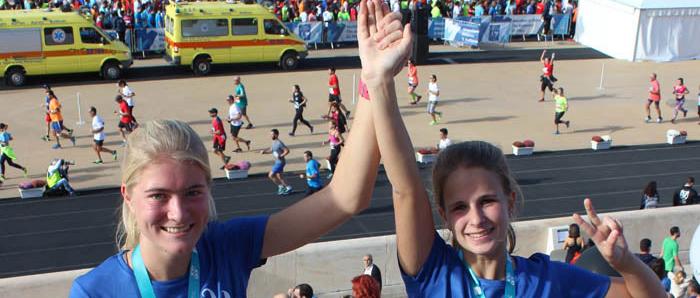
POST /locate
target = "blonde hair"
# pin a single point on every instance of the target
(475, 154)
(152, 141)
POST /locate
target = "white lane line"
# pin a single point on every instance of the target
(15, 253)
(58, 231)
(604, 152)
(605, 165)
(56, 214)
(592, 195)
(607, 179)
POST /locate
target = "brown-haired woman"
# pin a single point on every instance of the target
(476, 196)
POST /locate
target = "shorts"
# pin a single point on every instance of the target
(277, 167)
(219, 145)
(655, 101)
(244, 110)
(558, 116)
(334, 98)
(312, 190)
(47, 118)
(546, 83)
(128, 126)
(56, 127)
(431, 107)
(235, 129)
(99, 142)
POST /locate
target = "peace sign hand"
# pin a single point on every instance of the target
(606, 234)
(384, 44)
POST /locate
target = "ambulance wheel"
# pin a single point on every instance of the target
(201, 66)
(16, 77)
(111, 71)
(289, 61)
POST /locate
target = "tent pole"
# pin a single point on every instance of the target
(636, 36)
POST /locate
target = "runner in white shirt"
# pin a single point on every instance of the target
(235, 120)
(444, 140)
(128, 95)
(98, 136)
(433, 94)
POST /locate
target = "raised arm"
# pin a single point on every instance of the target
(542, 56)
(384, 48)
(637, 279)
(346, 195)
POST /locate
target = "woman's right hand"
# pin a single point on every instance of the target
(384, 44)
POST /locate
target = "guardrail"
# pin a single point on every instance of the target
(460, 31)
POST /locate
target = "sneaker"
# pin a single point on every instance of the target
(97, 162)
(247, 145)
(418, 98)
(648, 119)
(72, 194)
(2, 178)
(659, 120)
(56, 146)
(222, 168)
(291, 134)
(673, 121)
(556, 133)
(541, 100)
(70, 131)
(567, 123)
(413, 102)
(433, 122)
(685, 113)
(439, 114)
(124, 143)
(250, 125)
(72, 140)
(280, 189)
(238, 150)
(114, 155)
(347, 114)
(227, 159)
(26, 172)
(287, 190)
(45, 138)
(311, 129)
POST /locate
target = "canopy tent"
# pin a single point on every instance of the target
(656, 30)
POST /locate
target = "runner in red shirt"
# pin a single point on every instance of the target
(547, 78)
(218, 136)
(679, 90)
(655, 98)
(334, 92)
(126, 122)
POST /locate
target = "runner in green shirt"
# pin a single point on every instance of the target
(669, 251)
(561, 107)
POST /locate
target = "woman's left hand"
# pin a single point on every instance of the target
(607, 235)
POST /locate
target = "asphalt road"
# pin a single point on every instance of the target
(57, 234)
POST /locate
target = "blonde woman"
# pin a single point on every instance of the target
(169, 240)
(476, 197)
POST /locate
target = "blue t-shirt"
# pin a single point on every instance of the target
(228, 252)
(312, 169)
(5, 137)
(444, 275)
(240, 92)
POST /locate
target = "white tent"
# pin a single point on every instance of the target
(656, 30)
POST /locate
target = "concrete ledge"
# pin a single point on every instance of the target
(329, 266)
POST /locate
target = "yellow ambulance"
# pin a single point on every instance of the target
(42, 42)
(199, 34)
